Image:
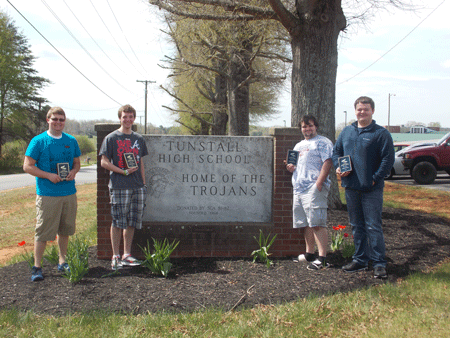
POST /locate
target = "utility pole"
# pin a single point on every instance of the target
(345, 112)
(146, 83)
(389, 111)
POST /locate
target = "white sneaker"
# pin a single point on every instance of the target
(130, 261)
(116, 263)
(317, 265)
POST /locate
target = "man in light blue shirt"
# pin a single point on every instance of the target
(54, 158)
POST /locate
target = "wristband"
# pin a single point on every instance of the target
(125, 172)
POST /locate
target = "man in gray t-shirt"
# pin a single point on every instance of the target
(126, 186)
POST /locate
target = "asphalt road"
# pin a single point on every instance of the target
(442, 182)
(85, 175)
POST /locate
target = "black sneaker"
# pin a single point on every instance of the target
(317, 265)
(379, 272)
(354, 267)
(36, 274)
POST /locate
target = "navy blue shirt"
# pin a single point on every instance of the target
(372, 155)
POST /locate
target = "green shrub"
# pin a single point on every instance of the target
(86, 144)
(158, 262)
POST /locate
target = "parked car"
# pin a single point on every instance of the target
(424, 162)
(401, 145)
(398, 168)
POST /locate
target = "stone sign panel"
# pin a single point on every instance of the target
(209, 179)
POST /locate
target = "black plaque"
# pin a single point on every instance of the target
(292, 157)
(63, 170)
(345, 164)
(130, 160)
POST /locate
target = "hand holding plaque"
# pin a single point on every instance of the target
(63, 170)
(292, 157)
(345, 164)
(130, 160)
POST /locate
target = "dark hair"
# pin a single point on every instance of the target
(365, 100)
(127, 109)
(306, 119)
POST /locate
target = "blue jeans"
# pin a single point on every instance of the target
(364, 211)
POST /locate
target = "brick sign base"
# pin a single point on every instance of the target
(199, 240)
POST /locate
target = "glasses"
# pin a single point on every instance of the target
(56, 119)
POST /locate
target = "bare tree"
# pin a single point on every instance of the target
(314, 27)
(223, 63)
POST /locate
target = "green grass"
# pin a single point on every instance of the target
(18, 214)
(417, 306)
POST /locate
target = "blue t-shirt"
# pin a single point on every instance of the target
(47, 151)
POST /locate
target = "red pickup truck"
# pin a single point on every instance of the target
(425, 162)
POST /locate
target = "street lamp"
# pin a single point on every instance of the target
(389, 111)
(345, 112)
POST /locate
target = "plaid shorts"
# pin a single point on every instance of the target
(127, 207)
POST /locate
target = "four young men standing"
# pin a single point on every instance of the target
(369, 146)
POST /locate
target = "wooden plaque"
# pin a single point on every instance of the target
(130, 160)
(63, 170)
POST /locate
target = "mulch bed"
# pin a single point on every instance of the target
(414, 243)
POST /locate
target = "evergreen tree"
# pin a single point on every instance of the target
(21, 112)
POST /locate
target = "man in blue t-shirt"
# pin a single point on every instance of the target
(54, 158)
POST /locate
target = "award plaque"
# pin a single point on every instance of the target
(130, 160)
(63, 170)
(292, 157)
(345, 164)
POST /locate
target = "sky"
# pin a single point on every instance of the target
(101, 49)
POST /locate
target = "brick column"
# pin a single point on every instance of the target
(290, 241)
(104, 250)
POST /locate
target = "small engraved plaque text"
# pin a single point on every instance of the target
(63, 170)
(130, 160)
(345, 164)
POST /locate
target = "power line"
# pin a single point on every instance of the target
(118, 24)
(382, 56)
(106, 54)
(61, 53)
(82, 46)
(126, 56)
(146, 82)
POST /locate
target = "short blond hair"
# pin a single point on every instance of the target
(55, 111)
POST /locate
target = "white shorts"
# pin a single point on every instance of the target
(310, 208)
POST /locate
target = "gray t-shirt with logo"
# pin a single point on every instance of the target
(113, 147)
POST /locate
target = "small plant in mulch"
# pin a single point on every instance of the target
(52, 254)
(77, 258)
(158, 261)
(341, 240)
(262, 254)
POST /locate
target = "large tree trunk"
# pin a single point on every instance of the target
(314, 49)
(238, 91)
(220, 115)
